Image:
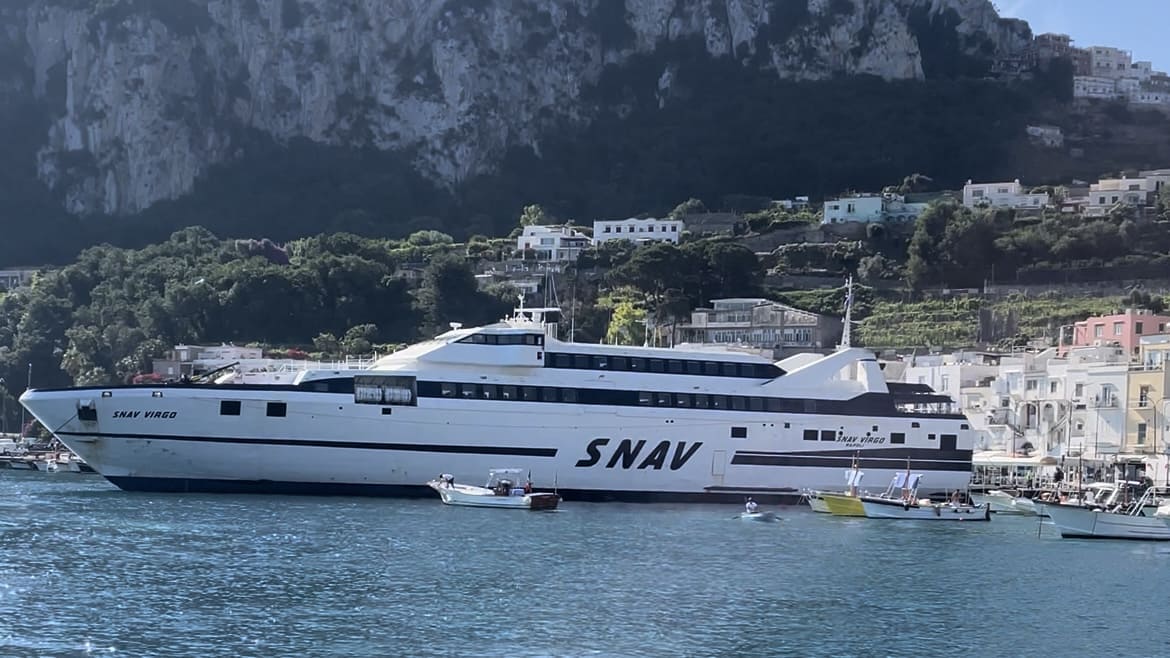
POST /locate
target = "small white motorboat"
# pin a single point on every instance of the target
(1002, 502)
(759, 517)
(500, 491)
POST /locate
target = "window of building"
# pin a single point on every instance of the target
(1078, 390)
(1033, 384)
(608, 229)
(1141, 434)
(1144, 396)
(1117, 328)
(277, 409)
(1098, 330)
(229, 408)
(1051, 387)
(1137, 328)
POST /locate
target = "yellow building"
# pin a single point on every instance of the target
(1147, 422)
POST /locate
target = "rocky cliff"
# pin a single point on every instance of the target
(143, 96)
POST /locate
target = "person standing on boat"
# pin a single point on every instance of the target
(527, 487)
(751, 506)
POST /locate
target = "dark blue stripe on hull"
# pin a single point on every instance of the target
(1079, 536)
(312, 443)
(187, 485)
(891, 464)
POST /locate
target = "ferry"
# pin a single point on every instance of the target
(603, 422)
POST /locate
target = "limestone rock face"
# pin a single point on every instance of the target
(144, 96)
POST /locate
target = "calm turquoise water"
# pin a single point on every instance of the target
(89, 570)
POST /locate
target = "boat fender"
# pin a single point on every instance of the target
(937, 510)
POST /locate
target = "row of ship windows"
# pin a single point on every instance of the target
(831, 435)
(618, 398)
(671, 366)
(503, 339)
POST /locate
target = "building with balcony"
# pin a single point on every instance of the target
(761, 324)
(867, 208)
(1002, 195)
(558, 244)
(638, 230)
(1121, 329)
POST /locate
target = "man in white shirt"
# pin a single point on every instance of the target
(751, 506)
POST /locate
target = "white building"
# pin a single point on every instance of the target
(1049, 136)
(1109, 62)
(867, 208)
(1095, 86)
(553, 243)
(1002, 195)
(759, 323)
(637, 230)
(1140, 191)
(1037, 402)
(15, 278)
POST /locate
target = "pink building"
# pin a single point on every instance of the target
(1125, 329)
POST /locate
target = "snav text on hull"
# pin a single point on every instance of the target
(607, 422)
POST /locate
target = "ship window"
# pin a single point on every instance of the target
(531, 394)
(828, 435)
(467, 390)
(915, 425)
(507, 392)
(656, 365)
(810, 406)
(447, 390)
(644, 398)
(737, 403)
(787, 425)
(637, 364)
(747, 370)
(531, 339)
(739, 432)
(386, 411)
(875, 428)
(620, 363)
(710, 368)
(229, 408)
(756, 404)
(489, 391)
(277, 409)
(600, 363)
(729, 370)
(897, 437)
(810, 435)
(948, 442)
(568, 395)
(674, 366)
(718, 402)
(562, 360)
(775, 404)
(682, 400)
(548, 394)
(581, 361)
(662, 399)
(694, 367)
(701, 401)
(964, 426)
(930, 437)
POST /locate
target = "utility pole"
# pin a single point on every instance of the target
(27, 386)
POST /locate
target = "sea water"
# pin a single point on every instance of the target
(87, 570)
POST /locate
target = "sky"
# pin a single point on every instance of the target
(1140, 26)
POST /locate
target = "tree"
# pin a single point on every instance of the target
(359, 339)
(533, 215)
(691, 206)
(327, 343)
(627, 324)
(952, 245)
(915, 183)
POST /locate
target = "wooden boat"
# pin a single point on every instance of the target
(500, 492)
(907, 505)
(840, 503)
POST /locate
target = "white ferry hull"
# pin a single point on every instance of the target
(175, 439)
(1084, 523)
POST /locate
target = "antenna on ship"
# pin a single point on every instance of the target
(846, 332)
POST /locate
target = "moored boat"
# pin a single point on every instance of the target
(843, 502)
(500, 492)
(1118, 522)
(909, 506)
(1002, 502)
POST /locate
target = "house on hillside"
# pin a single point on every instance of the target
(868, 208)
(558, 244)
(760, 324)
(1002, 195)
(638, 230)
